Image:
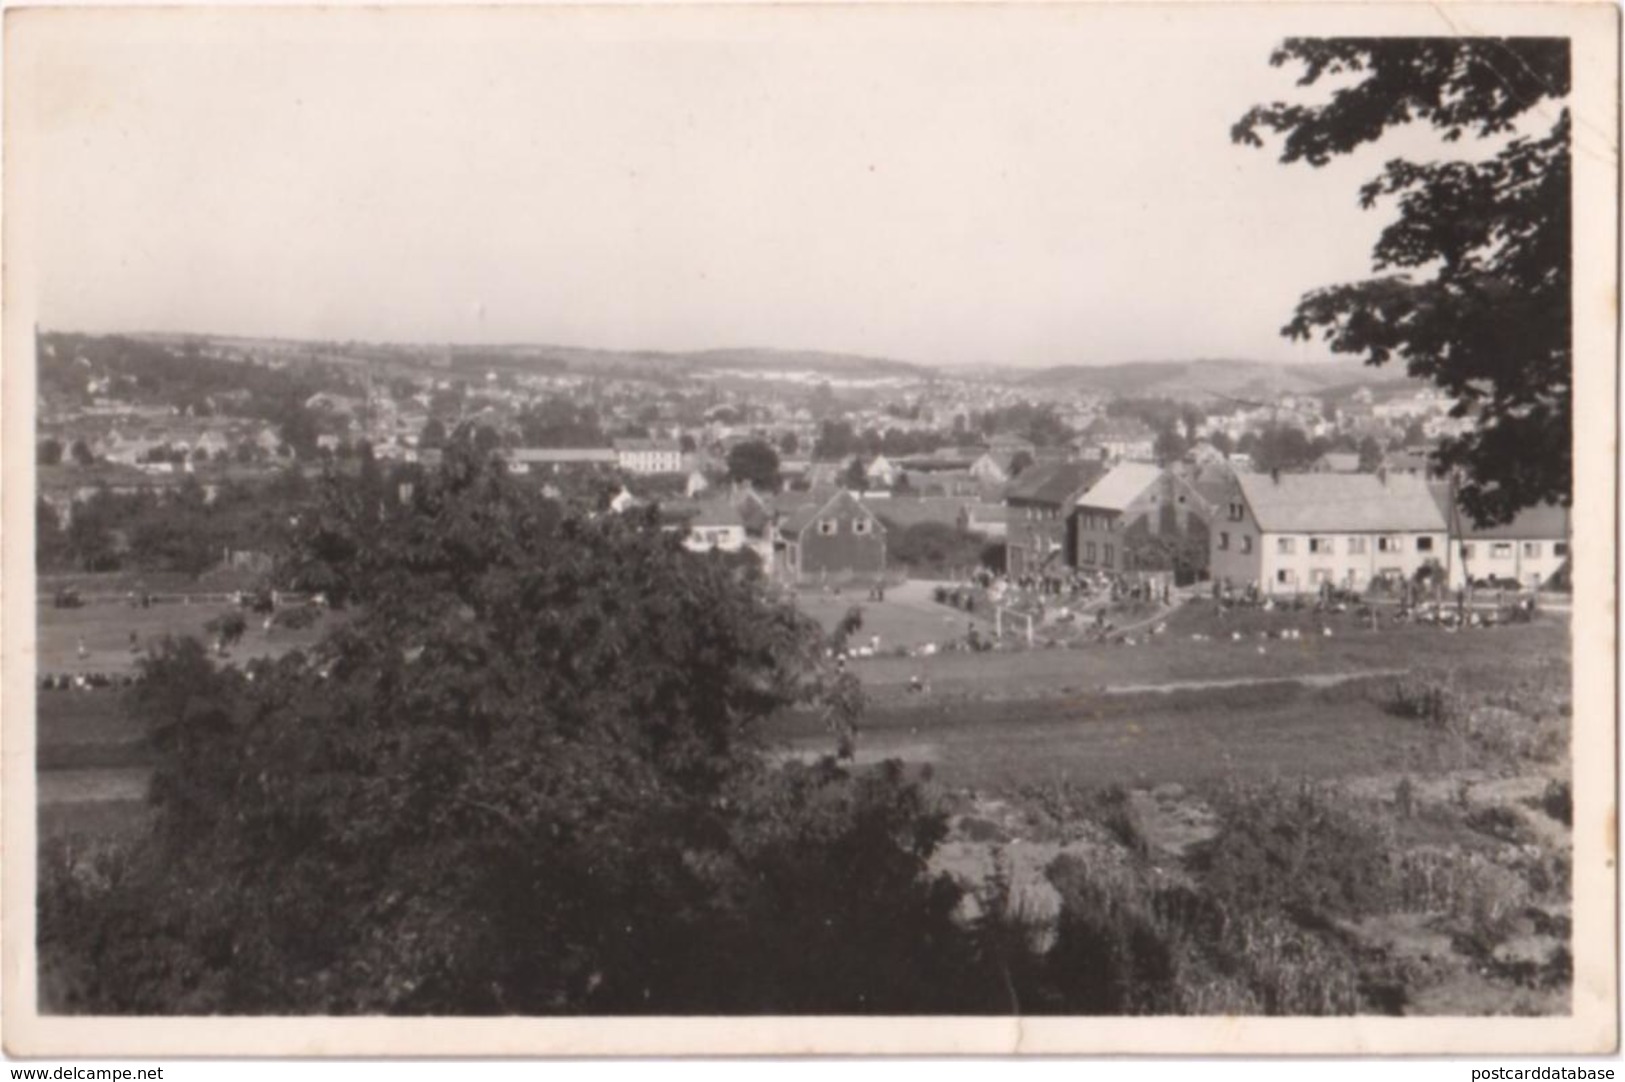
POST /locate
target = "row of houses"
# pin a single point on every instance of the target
(1283, 533)
(1292, 533)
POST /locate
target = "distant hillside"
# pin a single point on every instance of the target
(1208, 380)
(786, 360)
(739, 360)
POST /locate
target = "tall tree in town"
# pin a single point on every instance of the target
(1473, 277)
(756, 463)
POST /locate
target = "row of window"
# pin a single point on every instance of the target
(1109, 551)
(1327, 546)
(1502, 550)
(828, 527)
(1288, 577)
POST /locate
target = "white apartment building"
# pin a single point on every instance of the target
(1290, 533)
(649, 456)
(1528, 550)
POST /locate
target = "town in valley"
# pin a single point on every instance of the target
(785, 511)
(1082, 596)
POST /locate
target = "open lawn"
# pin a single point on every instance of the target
(908, 617)
(85, 729)
(113, 585)
(992, 721)
(1027, 674)
(1279, 730)
(105, 630)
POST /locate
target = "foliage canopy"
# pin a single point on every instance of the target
(1474, 280)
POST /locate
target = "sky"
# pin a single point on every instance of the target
(986, 185)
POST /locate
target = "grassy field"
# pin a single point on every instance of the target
(118, 583)
(1025, 674)
(80, 730)
(991, 721)
(105, 630)
(92, 763)
(908, 617)
(1281, 730)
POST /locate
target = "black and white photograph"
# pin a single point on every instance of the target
(811, 528)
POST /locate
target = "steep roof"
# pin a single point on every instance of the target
(1121, 486)
(718, 513)
(980, 511)
(544, 455)
(1542, 523)
(842, 501)
(637, 443)
(1053, 482)
(1340, 502)
(701, 512)
(1215, 482)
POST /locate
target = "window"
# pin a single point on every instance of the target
(827, 526)
(1560, 548)
(1531, 549)
(1321, 546)
(1284, 576)
(1108, 553)
(1246, 542)
(1236, 512)
(1467, 550)
(1424, 544)
(1356, 546)
(1089, 551)
(1224, 542)
(1387, 544)
(1501, 550)
(860, 525)
(1286, 546)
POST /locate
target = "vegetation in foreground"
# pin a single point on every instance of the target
(529, 776)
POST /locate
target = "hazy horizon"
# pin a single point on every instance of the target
(985, 186)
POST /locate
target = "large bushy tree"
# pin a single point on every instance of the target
(756, 463)
(1473, 288)
(527, 775)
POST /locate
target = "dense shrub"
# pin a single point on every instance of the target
(1423, 697)
(1481, 898)
(1126, 945)
(1299, 849)
(933, 548)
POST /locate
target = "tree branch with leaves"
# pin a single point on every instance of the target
(1473, 288)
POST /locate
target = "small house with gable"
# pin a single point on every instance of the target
(837, 538)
